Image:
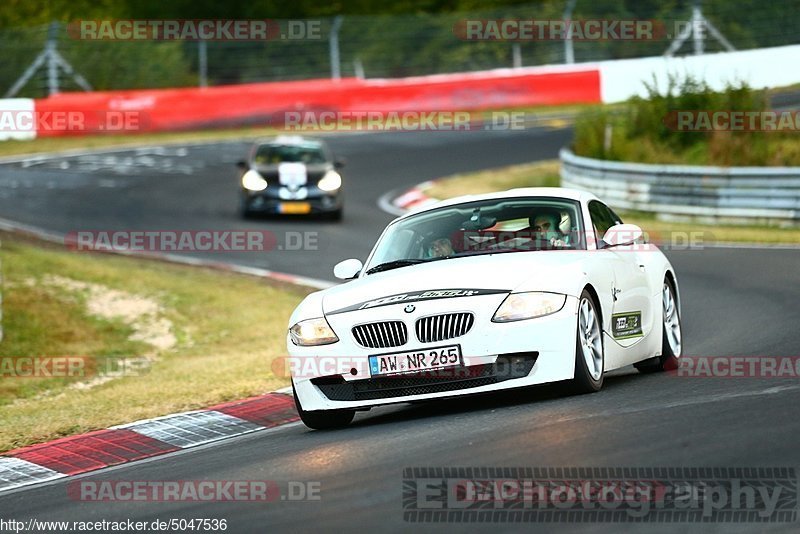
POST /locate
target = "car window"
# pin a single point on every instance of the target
(275, 154)
(482, 227)
(603, 217)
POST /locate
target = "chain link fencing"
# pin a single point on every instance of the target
(374, 47)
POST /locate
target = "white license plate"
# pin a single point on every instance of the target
(415, 360)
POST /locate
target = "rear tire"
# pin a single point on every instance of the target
(671, 335)
(589, 348)
(323, 419)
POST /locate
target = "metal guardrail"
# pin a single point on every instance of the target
(732, 194)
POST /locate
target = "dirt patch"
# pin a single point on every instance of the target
(145, 316)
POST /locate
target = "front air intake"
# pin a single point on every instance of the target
(381, 335)
(436, 328)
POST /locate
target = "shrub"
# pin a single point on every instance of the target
(639, 129)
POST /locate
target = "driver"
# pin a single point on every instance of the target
(441, 248)
(545, 226)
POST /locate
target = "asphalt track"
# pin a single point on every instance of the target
(194, 188)
(736, 302)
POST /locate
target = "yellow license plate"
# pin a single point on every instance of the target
(295, 207)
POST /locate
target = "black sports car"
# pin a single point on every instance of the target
(291, 175)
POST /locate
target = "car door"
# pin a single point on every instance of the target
(631, 315)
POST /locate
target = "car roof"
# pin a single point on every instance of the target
(555, 192)
(290, 140)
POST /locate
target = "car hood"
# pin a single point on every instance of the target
(556, 271)
(313, 171)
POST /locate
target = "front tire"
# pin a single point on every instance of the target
(244, 210)
(323, 419)
(671, 335)
(589, 348)
(335, 215)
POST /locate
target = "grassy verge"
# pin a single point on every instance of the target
(545, 174)
(648, 130)
(198, 336)
(540, 174)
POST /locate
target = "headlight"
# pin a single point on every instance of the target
(519, 306)
(253, 181)
(312, 332)
(331, 181)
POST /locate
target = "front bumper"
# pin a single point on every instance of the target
(506, 367)
(496, 356)
(269, 202)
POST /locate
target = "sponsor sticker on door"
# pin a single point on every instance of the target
(626, 325)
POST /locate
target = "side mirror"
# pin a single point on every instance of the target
(242, 165)
(622, 234)
(338, 163)
(347, 269)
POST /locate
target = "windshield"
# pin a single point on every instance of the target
(483, 227)
(275, 154)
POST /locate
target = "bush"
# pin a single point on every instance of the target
(640, 129)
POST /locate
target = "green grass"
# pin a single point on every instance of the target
(229, 329)
(545, 174)
(644, 129)
(540, 174)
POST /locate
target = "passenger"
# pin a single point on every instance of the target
(545, 227)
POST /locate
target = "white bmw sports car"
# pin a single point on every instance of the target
(483, 293)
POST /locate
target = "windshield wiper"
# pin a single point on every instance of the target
(389, 265)
(392, 265)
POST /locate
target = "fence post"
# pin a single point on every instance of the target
(358, 68)
(202, 62)
(569, 51)
(52, 61)
(333, 43)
